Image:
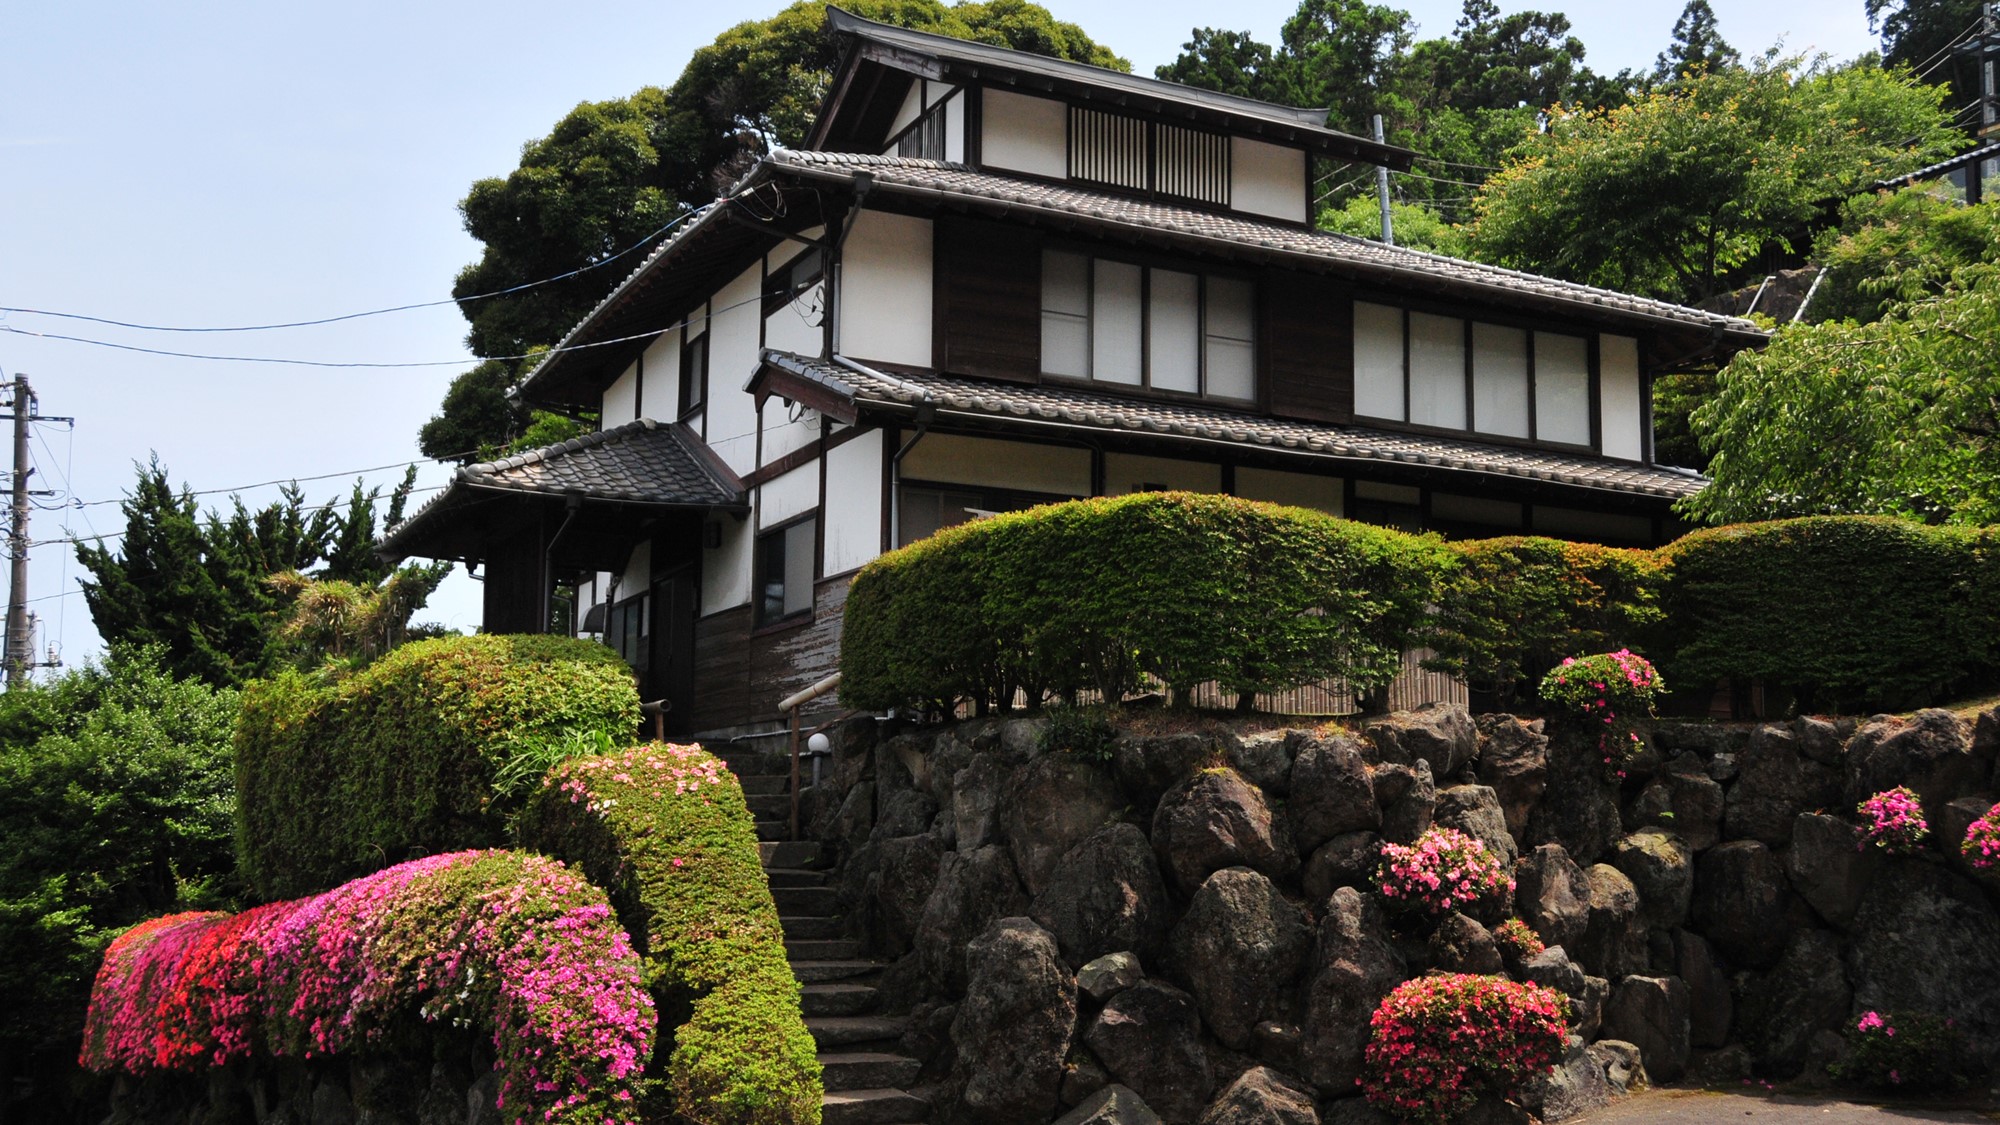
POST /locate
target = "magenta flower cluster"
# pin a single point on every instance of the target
(1608, 691)
(505, 941)
(1893, 820)
(1981, 846)
(1445, 869)
(1438, 1043)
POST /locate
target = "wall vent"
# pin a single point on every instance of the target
(1107, 148)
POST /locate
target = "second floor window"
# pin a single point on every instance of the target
(1141, 326)
(1455, 374)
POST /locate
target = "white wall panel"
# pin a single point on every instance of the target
(1378, 361)
(1562, 388)
(661, 395)
(638, 571)
(616, 409)
(1124, 472)
(1267, 179)
(989, 462)
(1621, 416)
(795, 493)
(913, 104)
(795, 327)
(782, 434)
(852, 515)
(1023, 134)
(1500, 380)
(733, 350)
(1437, 371)
(1304, 490)
(725, 570)
(954, 129)
(885, 299)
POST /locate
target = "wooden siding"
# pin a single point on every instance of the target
(1308, 348)
(988, 302)
(740, 676)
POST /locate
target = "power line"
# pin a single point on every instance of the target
(295, 480)
(72, 540)
(1441, 180)
(1455, 164)
(681, 218)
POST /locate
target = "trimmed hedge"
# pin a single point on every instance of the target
(1518, 605)
(401, 759)
(515, 944)
(1847, 611)
(666, 831)
(1100, 594)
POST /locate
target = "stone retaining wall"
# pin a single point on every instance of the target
(1187, 927)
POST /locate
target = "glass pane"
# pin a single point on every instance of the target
(771, 578)
(1065, 345)
(1378, 361)
(1437, 371)
(1115, 323)
(1500, 380)
(1562, 389)
(1173, 331)
(799, 542)
(1231, 308)
(1232, 369)
(1065, 283)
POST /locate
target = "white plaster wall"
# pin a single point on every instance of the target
(1267, 179)
(1124, 472)
(913, 104)
(781, 434)
(954, 128)
(1303, 490)
(1620, 416)
(617, 406)
(638, 571)
(885, 300)
(1024, 134)
(725, 570)
(795, 493)
(851, 519)
(662, 368)
(733, 350)
(993, 463)
(796, 326)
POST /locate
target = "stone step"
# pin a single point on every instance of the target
(789, 877)
(805, 900)
(770, 806)
(774, 830)
(837, 998)
(833, 1031)
(791, 853)
(820, 949)
(864, 1070)
(809, 971)
(812, 926)
(762, 784)
(872, 1107)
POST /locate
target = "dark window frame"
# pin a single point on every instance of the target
(694, 374)
(759, 586)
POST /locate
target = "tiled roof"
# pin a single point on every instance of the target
(1358, 256)
(644, 462)
(1099, 410)
(1933, 171)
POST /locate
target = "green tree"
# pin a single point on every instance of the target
(1896, 417)
(1697, 48)
(116, 802)
(1415, 225)
(1894, 247)
(1231, 62)
(1920, 34)
(1346, 55)
(1678, 193)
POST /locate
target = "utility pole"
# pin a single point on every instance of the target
(1382, 190)
(19, 655)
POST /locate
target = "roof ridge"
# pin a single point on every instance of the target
(553, 450)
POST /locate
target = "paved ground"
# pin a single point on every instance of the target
(1701, 1107)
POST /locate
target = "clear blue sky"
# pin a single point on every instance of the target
(233, 163)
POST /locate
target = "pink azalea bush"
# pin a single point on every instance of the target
(1440, 1042)
(1609, 691)
(1893, 820)
(1981, 846)
(1444, 870)
(502, 940)
(1906, 1051)
(1518, 940)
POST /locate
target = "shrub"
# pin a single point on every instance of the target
(504, 940)
(1894, 821)
(1608, 692)
(1517, 939)
(1097, 595)
(1442, 871)
(1847, 611)
(1907, 1051)
(1440, 1042)
(666, 831)
(1518, 605)
(1084, 731)
(1981, 846)
(401, 758)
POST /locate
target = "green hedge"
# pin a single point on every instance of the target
(338, 779)
(1847, 611)
(1518, 605)
(666, 831)
(1101, 594)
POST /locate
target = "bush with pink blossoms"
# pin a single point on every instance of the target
(1518, 940)
(1893, 820)
(1610, 692)
(514, 943)
(1441, 1042)
(1981, 846)
(1910, 1052)
(1444, 870)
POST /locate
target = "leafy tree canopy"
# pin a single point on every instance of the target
(196, 585)
(1414, 225)
(1677, 193)
(1894, 417)
(1698, 47)
(1895, 247)
(1920, 34)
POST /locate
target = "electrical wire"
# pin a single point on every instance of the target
(1925, 67)
(326, 507)
(296, 480)
(678, 219)
(1440, 179)
(1455, 164)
